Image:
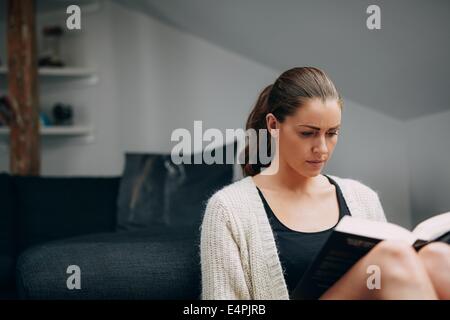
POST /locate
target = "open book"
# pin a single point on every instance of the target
(352, 238)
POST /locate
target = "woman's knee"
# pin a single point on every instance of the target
(400, 272)
(397, 252)
(398, 263)
(436, 256)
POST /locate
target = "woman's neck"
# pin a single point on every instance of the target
(280, 175)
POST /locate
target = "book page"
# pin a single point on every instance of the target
(375, 229)
(433, 227)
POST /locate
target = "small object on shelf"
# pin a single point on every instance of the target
(44, 119)
(6, 111)
(62, 114)
(52, 42)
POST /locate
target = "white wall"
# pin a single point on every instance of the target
(169, 78)
(429, 158)
(155, 78)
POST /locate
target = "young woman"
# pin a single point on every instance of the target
(260, 233)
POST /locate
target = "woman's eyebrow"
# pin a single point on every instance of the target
(316, 128)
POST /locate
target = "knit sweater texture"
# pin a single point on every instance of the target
(238, 253)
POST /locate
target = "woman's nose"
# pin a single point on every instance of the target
(321, 146)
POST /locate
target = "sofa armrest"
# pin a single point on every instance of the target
(51, 208)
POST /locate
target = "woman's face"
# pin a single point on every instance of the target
(309, 135)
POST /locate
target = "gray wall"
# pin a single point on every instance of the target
(372, 149)
(429, 158)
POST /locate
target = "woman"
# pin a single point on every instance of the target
(260, 233)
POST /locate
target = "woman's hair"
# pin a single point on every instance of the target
(289, 92)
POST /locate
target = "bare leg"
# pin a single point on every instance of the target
(403, 276)
(436, 258)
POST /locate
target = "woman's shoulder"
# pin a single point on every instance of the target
(353, 185)
(231, 202)
(234, 193)
(361, 198)
(237, 198)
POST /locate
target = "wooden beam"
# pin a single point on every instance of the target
(23, 88)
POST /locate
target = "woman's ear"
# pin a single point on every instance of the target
(272, 125)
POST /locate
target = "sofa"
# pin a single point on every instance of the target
(51, 225)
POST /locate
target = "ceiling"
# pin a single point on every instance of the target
(402, 70)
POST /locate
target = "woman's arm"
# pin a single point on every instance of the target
(222, 273)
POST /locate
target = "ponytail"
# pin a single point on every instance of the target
(257, 120)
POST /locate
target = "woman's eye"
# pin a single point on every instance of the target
(308, 134)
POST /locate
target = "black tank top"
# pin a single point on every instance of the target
(297, 249)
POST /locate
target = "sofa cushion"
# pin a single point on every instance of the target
(141, 192)
(151, 264)
(156, 191)
(7, 232)
(189, 189)
(51, 208)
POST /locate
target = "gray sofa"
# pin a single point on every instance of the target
(150, 251)
(151, 264)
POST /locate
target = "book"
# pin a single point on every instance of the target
(352, 238)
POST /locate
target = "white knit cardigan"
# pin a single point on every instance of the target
(239, 257)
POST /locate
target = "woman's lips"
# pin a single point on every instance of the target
(316, 164)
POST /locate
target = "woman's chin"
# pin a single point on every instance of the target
(307, 172)
(312, 175)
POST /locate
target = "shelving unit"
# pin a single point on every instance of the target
(63, 74)
(76, 76)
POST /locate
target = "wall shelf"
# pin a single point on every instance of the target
(66, 72)
(62, 131)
